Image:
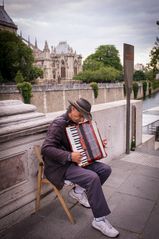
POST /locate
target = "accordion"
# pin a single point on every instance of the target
(85, 138)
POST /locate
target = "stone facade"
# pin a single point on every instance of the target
(59, 65)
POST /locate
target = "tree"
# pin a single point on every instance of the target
(92, 64)
(35, 73)
(19, 77)
(15, 56)
(106, 55)
(102, 66)
(102, 75)
(139, 76)
(154, 56)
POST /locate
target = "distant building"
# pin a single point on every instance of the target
(60, 64)
(139, 67)
(6, 22)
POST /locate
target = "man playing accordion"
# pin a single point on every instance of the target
(61, 163)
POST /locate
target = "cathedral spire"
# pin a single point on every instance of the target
(46, 48)
(28, 40)
(36, 44)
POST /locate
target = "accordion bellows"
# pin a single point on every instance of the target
(85, 138)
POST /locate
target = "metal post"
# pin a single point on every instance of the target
(128, 76)
(128, 121)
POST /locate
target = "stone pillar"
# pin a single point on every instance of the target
(21, 127)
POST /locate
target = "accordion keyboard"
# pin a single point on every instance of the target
(75, 141)
(85, 138)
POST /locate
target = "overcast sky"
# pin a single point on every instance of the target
(87, 24)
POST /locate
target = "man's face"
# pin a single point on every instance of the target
(76, 116)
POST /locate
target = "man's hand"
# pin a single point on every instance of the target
(104, 141)
(76, 157)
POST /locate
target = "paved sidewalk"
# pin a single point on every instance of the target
(132, 192)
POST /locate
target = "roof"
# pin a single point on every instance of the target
(5, 20)
(63, 47)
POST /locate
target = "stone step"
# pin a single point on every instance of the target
(148, 143)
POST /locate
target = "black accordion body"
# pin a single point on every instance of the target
(85, 138)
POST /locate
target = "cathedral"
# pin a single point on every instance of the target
(59, 64)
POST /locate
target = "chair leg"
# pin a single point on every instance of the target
(38, 194)
(62, 201)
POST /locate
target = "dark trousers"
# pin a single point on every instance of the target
(91, 178)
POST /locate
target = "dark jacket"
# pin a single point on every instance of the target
(56, 151)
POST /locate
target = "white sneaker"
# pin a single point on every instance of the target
(68, 183)
(80, 197)
(105, 227)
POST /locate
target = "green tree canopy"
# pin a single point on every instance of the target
(154, 56)
(15, 56)
(105, 55)
(139, 76)
(102, 75)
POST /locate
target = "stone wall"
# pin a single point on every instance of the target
(52, 98)
(22, 127)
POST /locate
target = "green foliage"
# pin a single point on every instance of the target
(155, 84)
(139, 76)
(14, 56)
(154, 56)
(35, 73)
(94, 86)
(25, 89)
(135, 89)
(150, 88)
(102, 66)
(92, 64)
(154, 59)
(103, 75)
(149, 75)
(1, 78)
(144, 86)
(19, 77)
(105, 55)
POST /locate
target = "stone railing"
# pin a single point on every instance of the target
(51, 98)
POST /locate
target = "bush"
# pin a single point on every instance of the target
(144, 86)
(139, 76)
(150, 88)
(25, 89)
(135, 89)
(155, 84)
(102, 75)
(94, 86)
(19, 78)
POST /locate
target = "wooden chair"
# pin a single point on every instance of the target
(42, 180)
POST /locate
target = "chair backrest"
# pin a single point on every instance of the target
(37, 150)
(38, 154)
